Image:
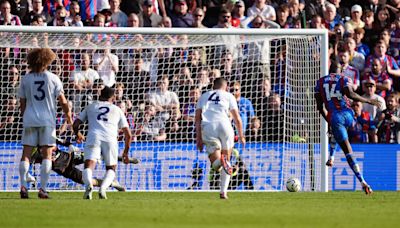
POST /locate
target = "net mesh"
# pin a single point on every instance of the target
(158, 80)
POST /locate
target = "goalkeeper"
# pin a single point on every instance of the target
(64, 164)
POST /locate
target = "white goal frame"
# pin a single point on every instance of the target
(322, 33)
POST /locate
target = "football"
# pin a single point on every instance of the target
(293, 184)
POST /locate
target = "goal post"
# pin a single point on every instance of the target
(158, 75)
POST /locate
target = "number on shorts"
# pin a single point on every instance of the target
(330, 92)
(41, 94)
(102, 116)
(216, 100)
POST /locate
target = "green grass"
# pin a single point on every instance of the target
(132, 209)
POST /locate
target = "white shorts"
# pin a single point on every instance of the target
(109, 151)
(217, 136)
(39, 136)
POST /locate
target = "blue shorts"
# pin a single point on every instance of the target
(340, 121)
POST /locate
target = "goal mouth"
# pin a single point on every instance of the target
(272, 71)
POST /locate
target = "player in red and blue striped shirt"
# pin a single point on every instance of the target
(333, 91)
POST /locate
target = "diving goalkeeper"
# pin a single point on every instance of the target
(64, 164)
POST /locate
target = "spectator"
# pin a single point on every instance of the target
(9, 83)
(371, 35)
(342, 11)
(148, 17)
(129, 6)
(358, 36)
(224, 19)
(166, 102)
(262, 8)
(59, 18)
(355, 22)
(38, 20)
(253, 133)
(6, 18)
(118, 17)
(383, 20)
(180, 16)
(188, 114)
(273, 125)
(228, 69)
(357, 60)
(121, 97)
(395, 37)
(51, 6)
(296, 14)
(282, 16)
(74, 18)
(330, 18)
(347, 70)
(261, 98)
(369, 88)
(238, 14)
(316, 22)
(93, 93)
(87, 10)
(37, 9)
(389, 125)
(106, 65)
(246, 109)
(364, 129)
(385, 36)
(137, 81)
(195, 63)
(198, 17)
(82, 79)
(10, 121)
(202, 80)
(386, 60)
(150, 127)
(382, 80)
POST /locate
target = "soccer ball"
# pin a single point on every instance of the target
(293, 184)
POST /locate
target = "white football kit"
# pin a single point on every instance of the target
(217, 131)
(41, 91)
(104, 120)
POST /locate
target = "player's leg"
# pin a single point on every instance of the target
(47, 142)
(45, 169)
(30, 139)
(109, 151)
(332, 150)
(23, 170)
(226, 135)
(339, 129)
(91, 155)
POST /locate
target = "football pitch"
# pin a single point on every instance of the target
(203, 209)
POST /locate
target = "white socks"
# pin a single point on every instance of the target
(45, 169)
(23, 170)
(225, 178)
(87, 177)
(108, 179)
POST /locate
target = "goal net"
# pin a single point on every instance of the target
(158, 79)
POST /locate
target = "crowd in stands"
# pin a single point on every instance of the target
(158, 90)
